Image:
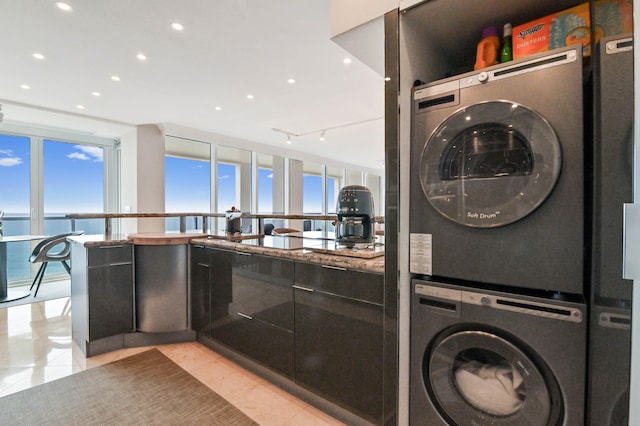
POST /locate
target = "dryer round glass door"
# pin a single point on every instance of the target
(490, 164)
(478, 377)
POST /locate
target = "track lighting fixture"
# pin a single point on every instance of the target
(288, 138)
(322, 136)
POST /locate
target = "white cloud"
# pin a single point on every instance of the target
(10, 161)
(92, 153)
(223, 177)
(270, 176)
(78, 156)
(6, 151)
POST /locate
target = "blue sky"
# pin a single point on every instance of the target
(73, 181)
(72, 176)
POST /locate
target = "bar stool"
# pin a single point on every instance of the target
(51, 249)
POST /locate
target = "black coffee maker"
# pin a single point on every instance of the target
(355, 216)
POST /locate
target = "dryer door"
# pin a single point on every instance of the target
(490, 164)
(479, 377)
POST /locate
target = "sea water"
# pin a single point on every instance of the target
(18, 267)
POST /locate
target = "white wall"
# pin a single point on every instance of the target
(345, 15)
(149, 185)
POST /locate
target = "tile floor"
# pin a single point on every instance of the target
(36, 347)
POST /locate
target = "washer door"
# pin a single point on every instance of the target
(490, 164)
(480, 378)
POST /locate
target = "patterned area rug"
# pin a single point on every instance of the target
(144, 389)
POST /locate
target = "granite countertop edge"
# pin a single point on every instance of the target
(374, 265)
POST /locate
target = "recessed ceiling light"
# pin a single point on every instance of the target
(218, 108)
(63, 6)
(346, 61)
(115, 78)
(141, 57)
(96, 94)
(177, 26)
(38, 56)
(291, 81)
(80, 106)
(250, 97)
(25, 86)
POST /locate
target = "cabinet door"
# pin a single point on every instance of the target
(220, 284)
(263, 288)
(110, 294)
(254, 301)
(200, 291)
(338, 350)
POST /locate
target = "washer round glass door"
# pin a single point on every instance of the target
(478, 377)
(490, 164)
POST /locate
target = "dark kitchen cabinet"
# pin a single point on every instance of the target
(102, 296)
(339, 336)
(250, 304)
(200, 290)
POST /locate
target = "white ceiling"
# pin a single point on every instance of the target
(228, 49)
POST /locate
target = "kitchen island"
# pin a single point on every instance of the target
(309, 321)
(281, 306)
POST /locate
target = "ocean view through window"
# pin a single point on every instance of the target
(49, 179)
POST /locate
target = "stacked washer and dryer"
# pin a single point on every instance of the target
(519, 312)
(497, 246)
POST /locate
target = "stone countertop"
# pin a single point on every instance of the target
(100, 240)
(375, 265)
(264, 246)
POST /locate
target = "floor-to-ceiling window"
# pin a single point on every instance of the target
(265, 190)
(187, 181)
(234, 183)
(312, 191)
(48, 175)
(14, 201)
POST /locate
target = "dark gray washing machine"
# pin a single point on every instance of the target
(610, 323)
(481, 357)
(497, 175)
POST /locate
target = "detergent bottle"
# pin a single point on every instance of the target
(506, 54)
(487, 53)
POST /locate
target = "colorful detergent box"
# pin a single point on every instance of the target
(572, 26)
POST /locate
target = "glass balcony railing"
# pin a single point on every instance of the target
(19, 270)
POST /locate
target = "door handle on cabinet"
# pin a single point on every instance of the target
(334, 267)
(310, 290)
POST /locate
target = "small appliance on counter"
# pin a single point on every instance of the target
(233, 221)
(355, 216)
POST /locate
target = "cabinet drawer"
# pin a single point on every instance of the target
(262, 287)
(110, 255)
(339, 350)
(265, 343)
(366, 286)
